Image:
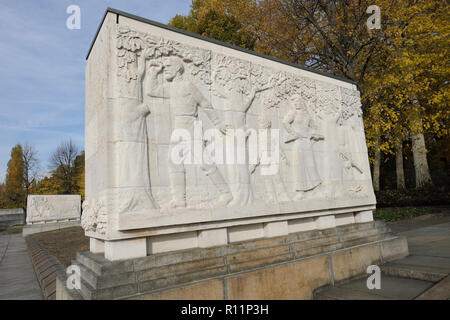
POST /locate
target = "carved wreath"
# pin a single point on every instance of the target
(132, 43)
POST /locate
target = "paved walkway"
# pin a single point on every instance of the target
(17, 277)
(412, 276)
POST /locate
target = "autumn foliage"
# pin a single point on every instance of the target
(402, 69)
(66, 176)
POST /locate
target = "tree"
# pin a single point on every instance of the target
(409, 83)
(3, 198)
(210, 20)
(399, 165)
(376, 168)
(62, 162)
(79, 166)
(30, 168)
(49, 185)
(14, 179)
(401, 69)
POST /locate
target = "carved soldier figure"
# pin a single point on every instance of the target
(302, 131)
(185, 98)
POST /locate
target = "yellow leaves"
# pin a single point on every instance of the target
(410, 59)
(14, 193)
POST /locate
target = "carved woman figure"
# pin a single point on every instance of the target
(303, 133)
(236, 105)
(134, 173)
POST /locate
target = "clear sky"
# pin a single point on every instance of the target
(42, 66)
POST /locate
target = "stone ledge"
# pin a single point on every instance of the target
(440, 291)
(43, 227)
(48, 270)
(335, 254)
(8, 220)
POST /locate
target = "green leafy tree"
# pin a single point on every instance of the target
(79, 166)
(3, 199)
(13, 189)
(401, 69)
(207, 20)
(49, 185)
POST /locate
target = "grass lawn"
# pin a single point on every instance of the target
(64, 244)
(400, 213)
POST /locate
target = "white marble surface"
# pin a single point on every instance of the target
(53, 208)
(145, 83)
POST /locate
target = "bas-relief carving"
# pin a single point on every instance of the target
(303, 132)
(41, 208)
(94, 216)
(237, 83)
(274, 187)
(45, 208)
(185, 101)
(320, 127)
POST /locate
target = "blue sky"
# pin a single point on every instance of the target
(42, 68)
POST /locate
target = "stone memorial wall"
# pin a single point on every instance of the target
(53, 208)
(193, 143)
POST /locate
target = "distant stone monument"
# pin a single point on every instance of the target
(11, 217)
(194, 144)
(52, 212)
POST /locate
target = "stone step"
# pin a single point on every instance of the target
(392, 288)
(239, 255)
(104, 279)
(440, 291)
(89, 293)
(419, 267)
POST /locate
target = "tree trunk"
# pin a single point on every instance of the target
(376, 169)
(399, 166)
(421, 169)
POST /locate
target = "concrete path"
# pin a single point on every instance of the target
(17, 277)
(392, 288)
(413, 276)
(429, 254)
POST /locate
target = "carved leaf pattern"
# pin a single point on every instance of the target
(131, 43)
(226, 70)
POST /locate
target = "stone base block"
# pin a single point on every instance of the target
(325, 222)
(285, 267)
(276, 229)
(363, 216)
(246, 232)
(125, 249)
(172, 242)
(212, 238)
(96, 245)
(43, 227)
(345, 218)
(300, 225)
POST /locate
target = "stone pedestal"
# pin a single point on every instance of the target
(49, 226)
(193, 144)
(52, 212)
(285, 267)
